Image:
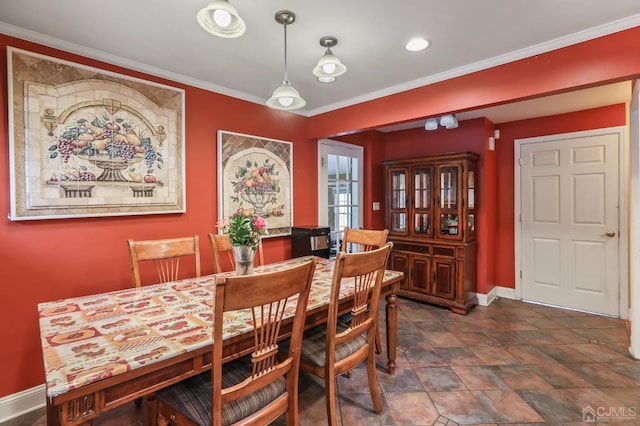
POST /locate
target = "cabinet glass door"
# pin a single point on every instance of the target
(422, 201)
(471, 202)
(398, 198)
(449, 212)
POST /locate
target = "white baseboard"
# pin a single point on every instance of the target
(506, 293)
(17, 404)
(486, 299)
(489, 298)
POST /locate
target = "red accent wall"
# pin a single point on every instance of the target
(472, 136)
(615, 57)
(373, 143)
(43, 260)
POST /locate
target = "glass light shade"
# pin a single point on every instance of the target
(286, 98)
(221, 19)
(329, 66)
(449, 121)
(326, 79)
(431, 124)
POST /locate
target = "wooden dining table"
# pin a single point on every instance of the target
(104, 350)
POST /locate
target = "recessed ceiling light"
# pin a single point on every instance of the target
(416, 44)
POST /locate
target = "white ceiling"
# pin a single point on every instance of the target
(162, 37)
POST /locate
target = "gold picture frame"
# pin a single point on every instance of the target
(255, 177)
(86, 142)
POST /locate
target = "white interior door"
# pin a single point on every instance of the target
(570, 222)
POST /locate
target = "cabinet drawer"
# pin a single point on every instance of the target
(444, 251)
(413, 248)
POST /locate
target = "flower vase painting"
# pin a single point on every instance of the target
(255, 180)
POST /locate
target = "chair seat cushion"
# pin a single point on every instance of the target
(193, 397)
(314, 343)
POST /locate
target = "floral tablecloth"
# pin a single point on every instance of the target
(86, 339)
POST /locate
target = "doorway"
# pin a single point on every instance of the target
(340, 201)
(570, 221)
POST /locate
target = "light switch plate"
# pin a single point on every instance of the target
(376, 205)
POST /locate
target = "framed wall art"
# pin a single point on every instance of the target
(87, 142)
(255, 177)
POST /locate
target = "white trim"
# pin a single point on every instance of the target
(487, 299)
(623, 191)
(589, 34)
(634, 225)
(17, 404)
(507, 293)
(548, 46)
(120, 61)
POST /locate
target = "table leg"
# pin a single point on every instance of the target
(53, 414)
(392, 330)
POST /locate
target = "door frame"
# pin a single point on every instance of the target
(623, 195)
(345, 148)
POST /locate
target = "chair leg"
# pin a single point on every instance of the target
(378, 341)
(330, 395)
(373, 383)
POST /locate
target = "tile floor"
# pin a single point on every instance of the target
(509, 363)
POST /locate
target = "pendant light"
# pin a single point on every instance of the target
(285, 97)
(221, 19)
(329, 66)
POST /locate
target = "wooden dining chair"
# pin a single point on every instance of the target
(165, 254)
(336, 348)
(359, 240)
(259, 388)
(221, 247)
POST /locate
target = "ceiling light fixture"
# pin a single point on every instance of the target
(285, 97)
(221, 19)
(448, 121)
(416, 44)
(431, 124)
(329, 66)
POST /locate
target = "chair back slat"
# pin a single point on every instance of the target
(359, 240)
(364, 271)
(165, 255)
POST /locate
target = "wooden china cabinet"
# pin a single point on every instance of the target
(431, 216)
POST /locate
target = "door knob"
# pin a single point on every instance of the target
(608, 234)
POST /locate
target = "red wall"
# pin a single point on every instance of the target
(615, 57)
(50, 259)
(471, 135)
(374, 189)
(43, 260)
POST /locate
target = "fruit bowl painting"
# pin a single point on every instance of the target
(85, 142)
(110, 144)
